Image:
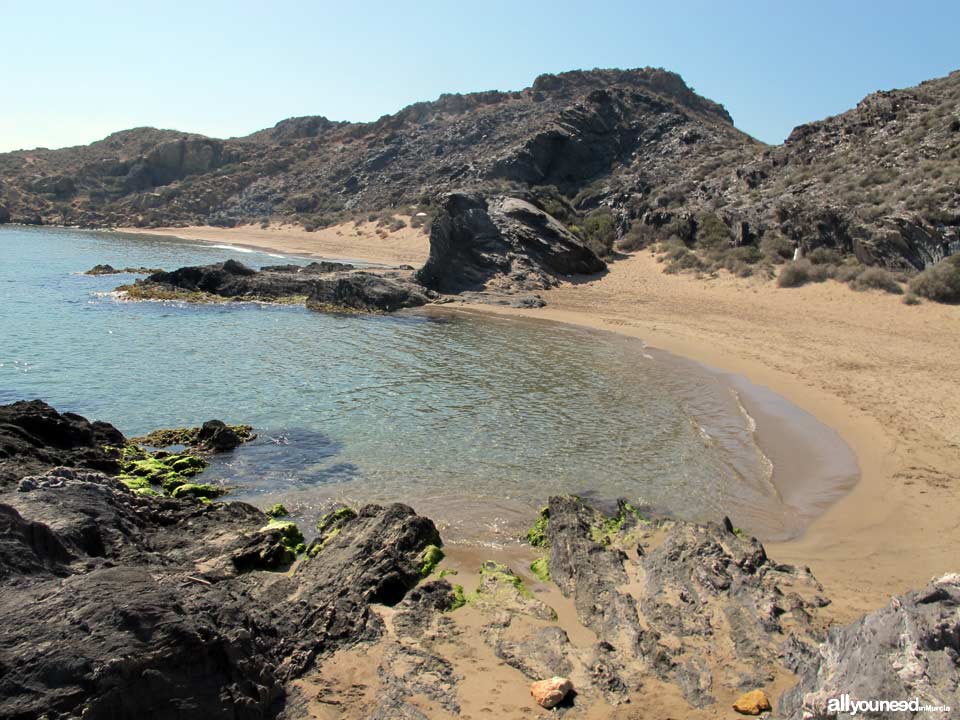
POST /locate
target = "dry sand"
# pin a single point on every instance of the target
(364, 241)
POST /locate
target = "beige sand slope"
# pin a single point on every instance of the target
(362, 241)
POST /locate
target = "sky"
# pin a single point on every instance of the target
(73, 72)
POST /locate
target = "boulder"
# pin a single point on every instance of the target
(500, 244)
(217, 436)
(906, 650)
(550, 693)
(35, 437)
(366, 292)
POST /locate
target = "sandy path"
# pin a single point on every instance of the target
(349, 241)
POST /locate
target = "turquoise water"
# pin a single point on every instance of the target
(474, 421)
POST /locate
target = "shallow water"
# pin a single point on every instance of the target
(473, 420)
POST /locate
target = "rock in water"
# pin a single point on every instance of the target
(909, 649)
(218, 436)
(550, 693)
(752, 703)
(501, 244)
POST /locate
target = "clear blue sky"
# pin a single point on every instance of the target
(72, 72)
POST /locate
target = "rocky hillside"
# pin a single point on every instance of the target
(617, 156)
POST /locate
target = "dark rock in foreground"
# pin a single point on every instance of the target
(35, 437)
(501, 244)
(908, 650)
(119, 605)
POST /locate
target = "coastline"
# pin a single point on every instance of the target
(876, 371)
(363, 242)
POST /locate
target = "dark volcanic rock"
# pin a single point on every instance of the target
(110, 270)
(217, 436)
(324, 286)
(367, 292)
(119, 605)
(500, 244)
(127, 606)
(231, 279)
(909, 649)
(34, 437)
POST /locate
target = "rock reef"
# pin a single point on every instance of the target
(118, 604)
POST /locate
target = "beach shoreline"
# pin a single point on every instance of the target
(876, 371)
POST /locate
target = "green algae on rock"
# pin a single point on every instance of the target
(202, 491)
(188, 436)
(429, 559)
(537, 535)
(541, 569)
(276, 512)
(290, 534)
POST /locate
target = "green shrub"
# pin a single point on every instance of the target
(911, 299)
(776, 248)
(824, 256)
(637, 238)
(712, 232)
(849, 271)
(599, 230)
(801, 272)
(875, 278)
(940, 282)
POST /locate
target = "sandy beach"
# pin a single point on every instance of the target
(366, 241)
(881, 373)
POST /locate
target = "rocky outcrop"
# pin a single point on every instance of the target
(368, 292)
(122, 605)
(909, 650)
(692, 589)
(104, 269)
(501, 245)
(322, 286)
(35, 437)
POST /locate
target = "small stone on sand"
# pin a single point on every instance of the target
(549, 693)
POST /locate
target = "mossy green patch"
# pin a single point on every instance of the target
(186, 436)
(541, 569)
(196, 490)
(429, 559)
(606, 531)
(164, 470)
(290, 535)
(496, 574)
(537, 535)
(459, 598)
(335, 519)
(277, 511)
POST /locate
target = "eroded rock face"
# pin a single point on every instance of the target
(909, 649)
(694, 586)
(323, 286)
(501, 244)
(119, 605)
(34, 437)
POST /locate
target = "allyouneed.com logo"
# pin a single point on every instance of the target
(844, 704)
